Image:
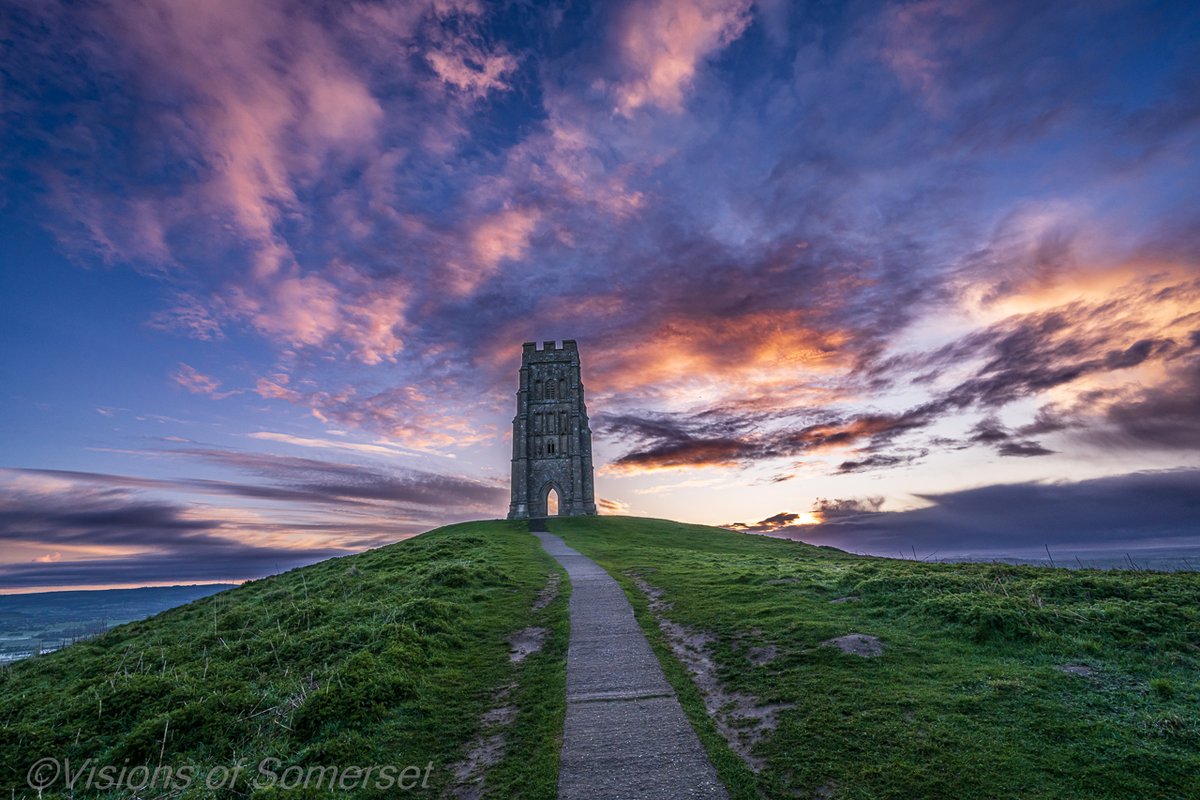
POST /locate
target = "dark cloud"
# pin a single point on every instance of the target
(1023, 448)
(876, 461)
(850, 505)
(307, 480)
(990, 430)
(1163, 417)
(727, 437)
(328, 481)
(1145, 509)
(172, 541)
(348, 506)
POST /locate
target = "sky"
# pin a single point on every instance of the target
(878, 275)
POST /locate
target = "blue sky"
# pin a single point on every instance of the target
(267, 269)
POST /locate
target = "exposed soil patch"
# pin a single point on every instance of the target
(484, 752)
(782, 581)
(525, 643)
(548, 594)
(741, 718)
(1077, 669)
(857, 644)
(852, 598)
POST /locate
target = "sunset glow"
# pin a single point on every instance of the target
(870, 274)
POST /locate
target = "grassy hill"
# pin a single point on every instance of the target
(392, 657)
(992, 681)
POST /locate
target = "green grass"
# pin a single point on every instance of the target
(967, 701)
(389, 657)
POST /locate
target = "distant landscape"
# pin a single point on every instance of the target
(1155, 559)
(43, 622)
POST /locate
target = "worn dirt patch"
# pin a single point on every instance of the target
(857, 644)
(548, 594)
(484, 752)
(851, 598)
(741, 718)
(525, 643)
(1077, 669)
(782, 581)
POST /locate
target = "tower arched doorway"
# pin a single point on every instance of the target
(552, 502)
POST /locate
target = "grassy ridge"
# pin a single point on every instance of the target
(389, 657)
(968, 700)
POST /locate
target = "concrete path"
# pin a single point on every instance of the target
(626, 735)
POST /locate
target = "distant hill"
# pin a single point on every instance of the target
(44, 621)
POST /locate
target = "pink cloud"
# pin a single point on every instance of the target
(471, 70)
(190, 317)
(663, 43)
(197, 382)
(503, 236)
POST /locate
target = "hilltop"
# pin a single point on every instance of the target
(806, 671)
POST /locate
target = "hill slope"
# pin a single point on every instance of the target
(967, 680)
(994, 680)
(395, 657)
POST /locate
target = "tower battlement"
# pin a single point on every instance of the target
(549, 351)
(552, 443)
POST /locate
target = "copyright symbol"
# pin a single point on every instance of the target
(43, 773)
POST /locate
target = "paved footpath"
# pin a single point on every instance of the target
(626, 735)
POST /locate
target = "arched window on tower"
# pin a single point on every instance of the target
(551, 389)
(550, 448)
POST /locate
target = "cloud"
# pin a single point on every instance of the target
(608, 506)
(718, 205)
(504, 236)
(1023, 448)
(663, 43)
(376, 449)
(104, 534)
(1161, 417)
(877, 461)
(197, 382)
(110, 528)
(471, 70)
(1145, 509)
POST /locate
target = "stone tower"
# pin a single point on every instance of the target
(552, 443)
